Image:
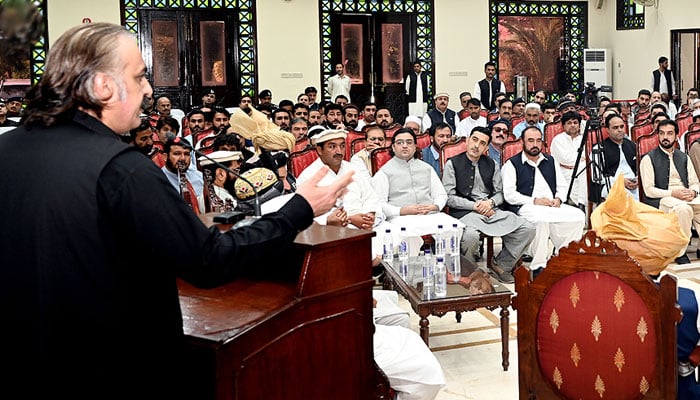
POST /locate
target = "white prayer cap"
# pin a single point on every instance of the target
(221, 156)
(329, 134)
(413, 118)
(441, 94)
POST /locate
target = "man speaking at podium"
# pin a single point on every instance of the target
(94, 236)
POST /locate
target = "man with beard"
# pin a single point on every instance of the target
(141, 137)
(368, 115)
(384, 118)
(474, 194)
(220, 119)
(245, 103)
(351, 115)
(440, 113)
(499, 129)
(485, 90)
(472, 120)
(410, 191)
(532, 118)
(311, 92)
(671, 186)
(339, 84)
(178, 160)
(196, 124)
(533, 187)
(314, 118)
(620, 158)
(374, 139)
(440, 134)
(222, 182)
(281, 118)
(564, 149)
(334, 116)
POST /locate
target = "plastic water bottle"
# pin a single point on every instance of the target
(454, 240)
(388, 249)
(440, 242)
(428, 272)
(455, 267)
(454, 264)
(403, 245)
(440, 278)
(403, 269)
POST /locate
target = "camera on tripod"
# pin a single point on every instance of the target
(590, 98)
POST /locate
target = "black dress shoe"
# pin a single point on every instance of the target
(697, 253)
(527, 258)
(683, 259)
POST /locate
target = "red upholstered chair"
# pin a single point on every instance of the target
(551, 130)
(642, 116)
(158, 157)
(423, 140)
(299, 160)
(638, 130)
(645, 144)
(451, 149)
(349, 138)
(357, 145)
(684, 123)
(379, 157)
(491, 116)
(389, 132)
(593, 325)
(207, 141)
(690, 137)
(509, 149)
(515, 121)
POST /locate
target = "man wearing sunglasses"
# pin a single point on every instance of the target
(499, 129)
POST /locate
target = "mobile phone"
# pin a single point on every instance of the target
(230, 217)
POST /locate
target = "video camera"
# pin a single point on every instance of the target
(589, 97)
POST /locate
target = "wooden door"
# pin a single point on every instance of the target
(377, 51)
(188, 52)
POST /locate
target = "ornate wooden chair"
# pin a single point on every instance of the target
(299, 160)
(645, 144)
(379, 157)
(593, 325)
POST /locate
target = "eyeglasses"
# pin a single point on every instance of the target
(375, 139)
(407, 142)
(498, 129)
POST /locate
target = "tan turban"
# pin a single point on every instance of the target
(650, 236)
(264, 134)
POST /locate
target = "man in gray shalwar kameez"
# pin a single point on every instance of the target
(474, 193)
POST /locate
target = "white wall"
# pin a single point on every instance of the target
(288, 40)
(288, 43)
(65, 14)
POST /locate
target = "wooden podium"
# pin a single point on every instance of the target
(308, 337)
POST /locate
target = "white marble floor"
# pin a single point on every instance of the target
(470, 351)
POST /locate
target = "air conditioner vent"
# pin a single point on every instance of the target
(595, 56)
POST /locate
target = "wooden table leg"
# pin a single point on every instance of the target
(425, 329)
(505, 336)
